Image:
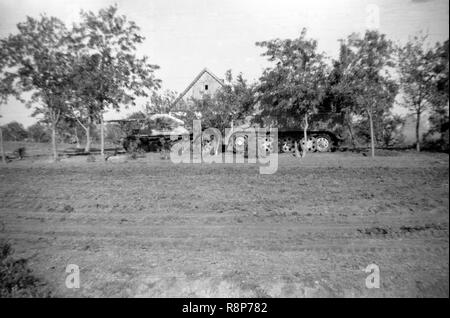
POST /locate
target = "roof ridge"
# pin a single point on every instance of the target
(213, 75)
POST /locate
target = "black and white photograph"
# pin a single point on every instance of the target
(224, 149)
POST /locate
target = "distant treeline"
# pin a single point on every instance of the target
(41, 132)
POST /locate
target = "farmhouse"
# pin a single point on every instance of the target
(205, 83)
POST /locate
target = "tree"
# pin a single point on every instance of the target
(14, 131)
(2, 149)
(161, 103)
(83, 109)
(294, 87)
(417, 78)
(107, 71)
(39, 132)
(7, 87)
(238, 94)
(39, 55)
(339, 97)
(439, 117)
(367, 77)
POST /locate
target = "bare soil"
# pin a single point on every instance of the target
(151, 228)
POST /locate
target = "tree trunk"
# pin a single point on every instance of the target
(102, 138)
(55, 153)
(1, 146)
(350, 130)
(76, 138)
(88, 136)
(305, 137)
(418, 132)
(372, 137)
(352, 136)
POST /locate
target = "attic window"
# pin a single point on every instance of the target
(206, 87)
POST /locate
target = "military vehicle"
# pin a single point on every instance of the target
(320, 136)
(151, 133)
(160, 131)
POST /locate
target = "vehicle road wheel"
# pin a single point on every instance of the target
(266, 145)
(310, 144)
(206, 144)
(287, 145)
(323, 143)
(240, 144)
(206, 147)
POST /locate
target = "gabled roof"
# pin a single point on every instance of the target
(205, 70)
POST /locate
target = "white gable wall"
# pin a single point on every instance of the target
(206, 84)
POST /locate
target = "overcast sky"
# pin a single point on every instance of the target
(184, 36)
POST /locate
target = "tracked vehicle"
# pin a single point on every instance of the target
(321, 136)
(317, 141)
(151, 133)
(160, 131)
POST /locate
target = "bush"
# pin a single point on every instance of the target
(439, 145)
(16, 279)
